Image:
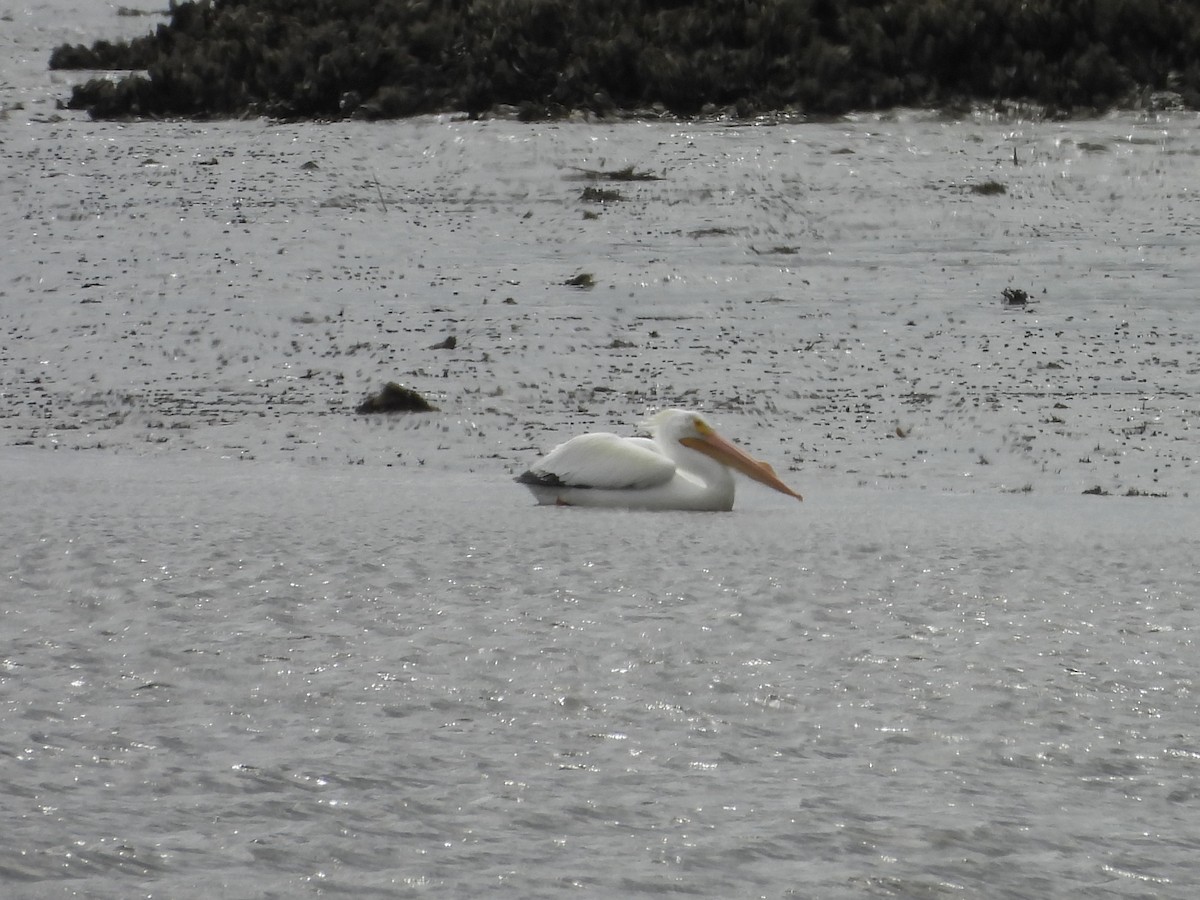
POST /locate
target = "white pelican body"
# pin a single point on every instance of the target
(685, 464)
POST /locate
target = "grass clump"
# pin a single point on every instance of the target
(1014, 297)
(546, 58)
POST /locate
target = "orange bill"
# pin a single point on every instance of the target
(713, 445)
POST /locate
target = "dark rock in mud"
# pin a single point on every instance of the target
(584, 280)
(394, 399)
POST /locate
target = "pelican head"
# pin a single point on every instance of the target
(693, 431)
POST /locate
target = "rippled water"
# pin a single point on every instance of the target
(266, 680)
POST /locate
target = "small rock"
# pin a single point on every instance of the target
(394, 398)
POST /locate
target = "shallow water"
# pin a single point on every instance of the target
(273, 680)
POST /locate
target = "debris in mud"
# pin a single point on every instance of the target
(393, 399)
(1097, 491)
(600, 195)
(1015, 297)
(629, 173)
(448, 344)
(583, 281)
(989, 188)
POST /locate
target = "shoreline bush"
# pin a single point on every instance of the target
(371, 59)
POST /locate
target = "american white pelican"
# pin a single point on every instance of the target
(683, 465)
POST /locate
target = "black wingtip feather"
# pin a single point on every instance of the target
(541, 479)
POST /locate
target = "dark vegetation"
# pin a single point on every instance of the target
(1015, 297)
(547, 58)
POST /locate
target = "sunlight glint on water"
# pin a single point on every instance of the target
(876, 695)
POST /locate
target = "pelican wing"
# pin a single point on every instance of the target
(603, 461)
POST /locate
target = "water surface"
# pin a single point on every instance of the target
(270, 680)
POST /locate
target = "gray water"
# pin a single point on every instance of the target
(266, 680)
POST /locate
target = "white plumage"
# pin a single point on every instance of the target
(685, 464)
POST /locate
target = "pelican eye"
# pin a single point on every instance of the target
(702, 427)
